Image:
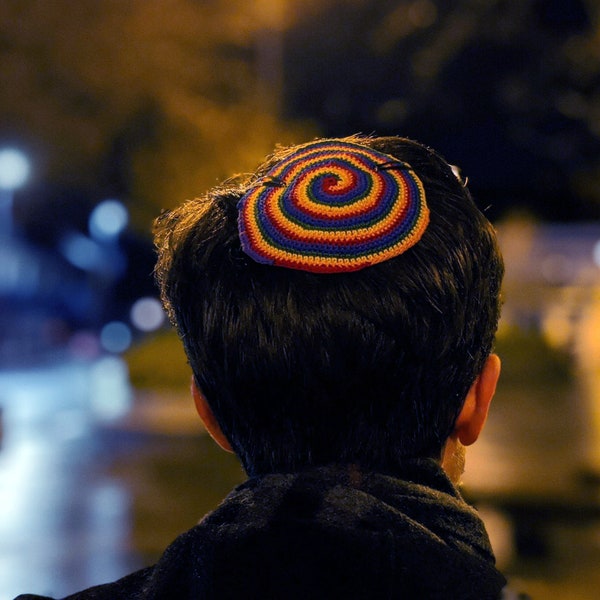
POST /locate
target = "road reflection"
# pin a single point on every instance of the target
(86, 498)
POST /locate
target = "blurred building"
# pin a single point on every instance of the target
(552, 286)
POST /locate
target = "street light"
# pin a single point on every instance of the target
(14, 171)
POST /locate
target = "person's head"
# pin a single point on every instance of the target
(366, 366)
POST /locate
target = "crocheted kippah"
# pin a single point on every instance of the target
(333, 206)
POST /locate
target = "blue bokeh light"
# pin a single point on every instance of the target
(115, 337)
(108, 220)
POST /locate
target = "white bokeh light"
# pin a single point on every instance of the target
(108, 220)
(109, 388)
(14, 169)
(147, 314)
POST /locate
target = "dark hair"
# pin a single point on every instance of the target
(303, 368)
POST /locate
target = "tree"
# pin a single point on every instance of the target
(148, 99)
(508, 89)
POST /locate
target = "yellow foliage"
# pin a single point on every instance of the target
(159, 362)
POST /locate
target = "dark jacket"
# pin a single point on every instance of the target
(329, 532)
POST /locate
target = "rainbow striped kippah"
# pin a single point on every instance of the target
(333, 206)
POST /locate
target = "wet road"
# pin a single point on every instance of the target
(83, 511)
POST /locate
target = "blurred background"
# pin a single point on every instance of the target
(112, 110)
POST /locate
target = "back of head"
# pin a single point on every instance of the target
(304, 368)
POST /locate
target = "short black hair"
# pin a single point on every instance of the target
(367, 367)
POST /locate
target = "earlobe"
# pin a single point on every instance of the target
(208, 418)
(475, 409)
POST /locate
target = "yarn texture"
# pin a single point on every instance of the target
(331, 207)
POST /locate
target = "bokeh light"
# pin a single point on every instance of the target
(108, 220)
(147, 314)
(115, 337)
(14, 169)
(81, 251)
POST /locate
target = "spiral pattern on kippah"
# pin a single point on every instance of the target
(333, 206)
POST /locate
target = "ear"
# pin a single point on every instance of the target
(208, 418)
(475, 409)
